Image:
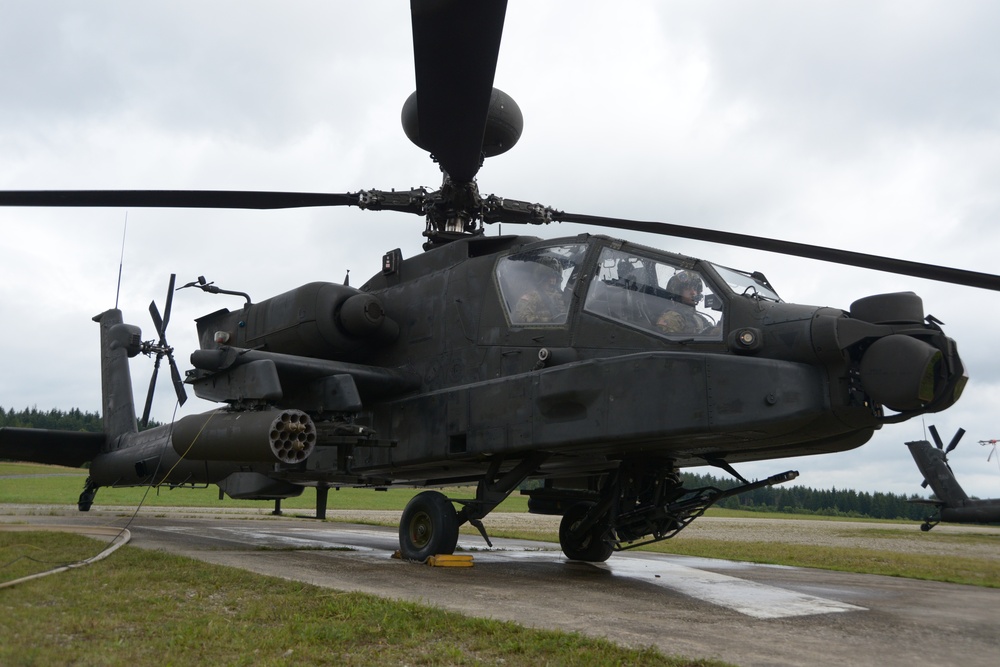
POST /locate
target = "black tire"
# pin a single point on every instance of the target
(429, 527)
(87, 497)
(592, 548)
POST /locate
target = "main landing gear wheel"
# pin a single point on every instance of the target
(429, 527)
(591, 547)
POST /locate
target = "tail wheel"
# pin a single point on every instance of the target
(429, 526)
(591, 546)
(87, 496)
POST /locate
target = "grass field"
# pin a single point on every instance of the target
(30, 484)
(141, 608)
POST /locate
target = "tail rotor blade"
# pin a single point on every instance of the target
(164, 350)
(166, 309)
(154, 312)
(937, 438)
(175, 377)
(954, 441)
(149, 394)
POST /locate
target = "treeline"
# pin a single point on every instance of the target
(62, 420)
(822, 502)
(72, 420)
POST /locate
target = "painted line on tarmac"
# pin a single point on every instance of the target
(747, 597)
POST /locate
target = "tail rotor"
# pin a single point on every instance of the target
(940, 445)
(162, 349)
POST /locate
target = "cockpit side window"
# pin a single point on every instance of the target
(655, 295)
(536, 286)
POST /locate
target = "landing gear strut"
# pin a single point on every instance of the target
(639, 503)
(429, 525)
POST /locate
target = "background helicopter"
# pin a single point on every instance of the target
(544, 196)
(951, 503)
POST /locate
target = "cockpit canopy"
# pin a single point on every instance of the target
(655, 295)
(667, 295)
(536, 285)
(747, 284)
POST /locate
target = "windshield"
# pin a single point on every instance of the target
(748, 284)
(654, 295)
(537, 285)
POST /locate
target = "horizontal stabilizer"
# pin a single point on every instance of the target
(40, 445)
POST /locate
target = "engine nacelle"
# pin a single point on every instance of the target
(321, 320)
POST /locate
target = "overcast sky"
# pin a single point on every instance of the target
(870, 126)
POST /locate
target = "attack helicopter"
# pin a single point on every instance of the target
(589, 366)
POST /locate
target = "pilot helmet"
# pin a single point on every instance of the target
(547, 269)
(684, 280)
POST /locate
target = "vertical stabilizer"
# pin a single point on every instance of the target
(934, 467)
(119, 342)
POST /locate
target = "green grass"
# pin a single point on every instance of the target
(38, 469)
(785, 516)
(141, 607)
(951, 569)
(65, 490)
(985, 539)
(23, 554)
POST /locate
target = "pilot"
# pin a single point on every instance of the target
(545, 302)
(684, 290)
(626, 274)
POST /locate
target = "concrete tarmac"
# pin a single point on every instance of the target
(743, 613)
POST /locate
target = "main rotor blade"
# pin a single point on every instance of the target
(901, 266)
(455, 48)
(248, 199)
